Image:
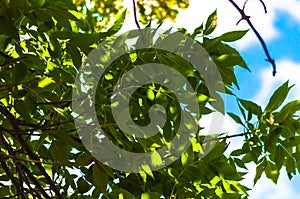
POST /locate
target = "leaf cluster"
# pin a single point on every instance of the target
(43, 43)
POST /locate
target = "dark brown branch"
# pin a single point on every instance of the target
(135, 14)
(70, 164)
(23, 178)
(5, 143)
(262, 42)
(35, 128)
(39, 166)
(15, 182)
(23, 143)
(47, 103)
(2, 54)
(231, 136)
(13, 61)
(264, 5)
(20, 83)
(35, 182)
(9, 117)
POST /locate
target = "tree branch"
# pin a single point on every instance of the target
(40, 162)
(11, 177)
(231, 136)
(262, 42)
(12, 61)
(35, 182)
(135, 14)
(264, 5)
(13, 121)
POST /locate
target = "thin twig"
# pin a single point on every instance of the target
(38, 161)
(13, 61)
(231, 136)
(135, 15)
(2, 54)
(247, 19)
(10, 117)
(264, 5)
(35, 182)
(22, 177)
(20, 83)
(20, 192)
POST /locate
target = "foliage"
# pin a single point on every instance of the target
(149, 10)
(42, 46)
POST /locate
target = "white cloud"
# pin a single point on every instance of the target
(266, 189)
(286, 70)
(228, 16)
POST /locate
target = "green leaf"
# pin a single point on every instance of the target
(211, 23)
(231, 196)
(99, 177)
(233, 36)
(116, 26)
(279, 157)
(8, 28)
(75, 54)
(66, 138)
(272, 172)
(83, 186)
(20, 70)
(121, 194)
(59, 151)
(259, 170)
(240, 163)
(290, 166)
(37, 3)
(278, 97)
(251, 106)
(291, 142)
(237, 152)
(23, 109)
(147, 170)
(236, 118)
(255, 152)
(150, 195)
(62, 16)
(187, 157)
(289, 109)
(198, 30)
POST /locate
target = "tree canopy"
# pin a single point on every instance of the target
(44, 44)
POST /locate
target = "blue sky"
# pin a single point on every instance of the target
(280, 28)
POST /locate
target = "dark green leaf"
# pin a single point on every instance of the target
(233, 36)
(272, 171)
(278, 97)
(289, 109)
(236, 118)
(279, 157)
(82, 185)
(259, 170)
(99, 177)
(19, 72)
(59, 151)
(211, 23)
(75, 54)
(8, 28)
(251, 106)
